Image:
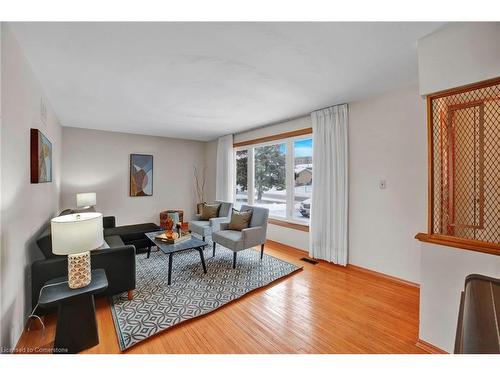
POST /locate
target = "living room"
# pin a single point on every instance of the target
(249, 187)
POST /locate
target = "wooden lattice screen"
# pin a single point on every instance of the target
(464, 162)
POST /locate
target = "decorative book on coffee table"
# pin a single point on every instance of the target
(183, 237)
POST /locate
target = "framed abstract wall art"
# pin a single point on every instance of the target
(141, 175)
(41, 157)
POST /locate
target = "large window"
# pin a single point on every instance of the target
(276, 175)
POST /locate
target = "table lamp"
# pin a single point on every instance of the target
(85, 200)
(75, 235)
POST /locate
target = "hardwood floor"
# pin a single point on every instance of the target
(322, 309)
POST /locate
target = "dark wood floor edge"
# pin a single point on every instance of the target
(429, 348)
(358, 268)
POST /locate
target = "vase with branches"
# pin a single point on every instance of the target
(200, 181)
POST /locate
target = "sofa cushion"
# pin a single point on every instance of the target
(44, 242)
(114, 241)
(108, 222)
(130, 233)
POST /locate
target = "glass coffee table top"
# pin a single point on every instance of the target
(166, 248)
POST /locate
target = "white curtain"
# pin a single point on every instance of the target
(328, 226)
(224, 188)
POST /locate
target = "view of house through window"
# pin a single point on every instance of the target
(277, 176)
(302, 179)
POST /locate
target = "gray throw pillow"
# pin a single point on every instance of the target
(240, 219)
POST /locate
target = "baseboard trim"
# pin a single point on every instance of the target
(385, 276)
(283, 246)
(429, 348)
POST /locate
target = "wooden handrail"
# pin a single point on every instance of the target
(461, 243)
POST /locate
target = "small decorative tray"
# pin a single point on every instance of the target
(163, 238)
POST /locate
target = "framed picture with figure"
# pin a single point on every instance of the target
(141, 175)
(41, 157)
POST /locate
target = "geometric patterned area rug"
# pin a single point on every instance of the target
(157, 306)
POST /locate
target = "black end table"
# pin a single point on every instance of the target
(76, 322)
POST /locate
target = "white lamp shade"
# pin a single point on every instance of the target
(76, 233)
(85, 199)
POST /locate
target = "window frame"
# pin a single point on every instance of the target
(288, 139)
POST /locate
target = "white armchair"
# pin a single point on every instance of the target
(205, 228)
(249, 237)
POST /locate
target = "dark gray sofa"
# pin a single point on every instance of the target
(118, 261)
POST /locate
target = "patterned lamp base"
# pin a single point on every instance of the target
(79, 270)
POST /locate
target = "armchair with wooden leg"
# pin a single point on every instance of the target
(254, 235)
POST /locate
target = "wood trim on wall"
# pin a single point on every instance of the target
(464, 88)
(429, 348)
(438, 239)
(294, 133)
(287, 224)
(430, 150)
(398, 280)
(385, 276)
(282, 246)
(460, 243)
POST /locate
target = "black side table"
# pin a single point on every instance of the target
(76, 322)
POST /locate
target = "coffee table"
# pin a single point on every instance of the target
(170, 249)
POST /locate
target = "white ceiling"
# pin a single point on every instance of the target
(202, 80)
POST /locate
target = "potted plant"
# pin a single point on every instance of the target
(200, 180)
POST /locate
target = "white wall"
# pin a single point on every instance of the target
(25, 207)
(456, 55)
(459, 54)
(288, 236)
(442, 279)
(98, 161)
(387, 141)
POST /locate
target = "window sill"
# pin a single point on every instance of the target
(482, 247)
(289, 224)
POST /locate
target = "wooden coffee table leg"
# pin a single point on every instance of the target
(170, 259)
(200, 250)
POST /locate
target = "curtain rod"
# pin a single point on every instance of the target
(286, 120)
(330, 106)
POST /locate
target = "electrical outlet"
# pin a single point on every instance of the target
(382, 184)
